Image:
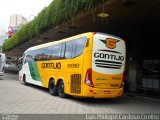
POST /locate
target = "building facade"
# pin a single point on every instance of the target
(16, 21)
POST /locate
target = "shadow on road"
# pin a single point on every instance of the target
(81, 100)
(95, 101)
(45, 90)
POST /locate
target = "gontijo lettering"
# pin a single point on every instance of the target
(109, 56)
(52, 65)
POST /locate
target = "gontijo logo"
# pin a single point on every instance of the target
(110, 42)
(106, 58)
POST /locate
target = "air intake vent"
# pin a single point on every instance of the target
(76, 83)
(108, 64)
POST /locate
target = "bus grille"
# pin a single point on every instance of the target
(76, 83)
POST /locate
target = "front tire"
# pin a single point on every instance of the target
(24, 80)
(52, 88)
(61, 92)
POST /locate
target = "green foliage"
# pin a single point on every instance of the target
(57, 12)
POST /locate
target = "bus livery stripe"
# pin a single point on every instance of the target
(108, 64)
(108, 67)
(34, 71)
(105, 61)
(110, 51)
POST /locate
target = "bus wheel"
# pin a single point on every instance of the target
(52, 88)
(24, 79)
(61, 89)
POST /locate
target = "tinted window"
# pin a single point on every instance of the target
(48, 53)
(66, 50)
(56, 51)
(70, 49)
(29, 57)
(80, 46)
(62, 56)
(39, 54)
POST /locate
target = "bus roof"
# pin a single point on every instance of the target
(58, 41)
(67, 39)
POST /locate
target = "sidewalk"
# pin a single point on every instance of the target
(142, 95)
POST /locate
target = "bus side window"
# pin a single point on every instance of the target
(29, 57)
(48, 53)
(80, 46)
(69, 50)
(56, 51)
(42, 52)
(36, 56)
(62, 56)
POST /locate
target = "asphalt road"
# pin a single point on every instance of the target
(17, 98)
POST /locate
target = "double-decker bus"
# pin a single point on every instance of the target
(87, 65)
(2, 63)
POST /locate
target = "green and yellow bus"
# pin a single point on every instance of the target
(87, 65)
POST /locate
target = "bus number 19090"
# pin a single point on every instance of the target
(73, 65)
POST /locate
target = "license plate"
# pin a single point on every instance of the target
(107, 92)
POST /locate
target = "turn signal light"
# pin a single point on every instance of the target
(88, 80)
